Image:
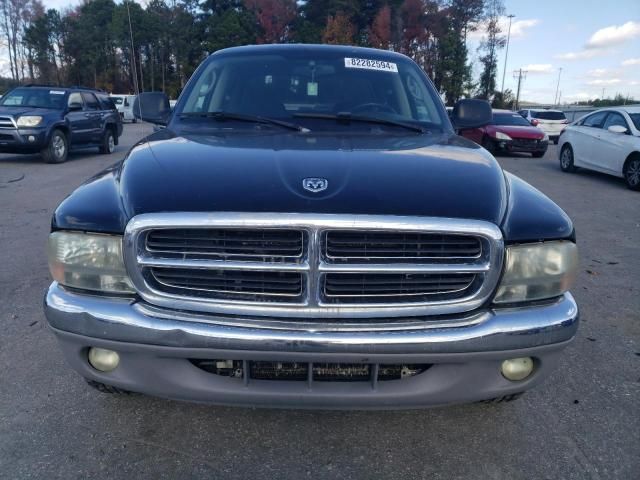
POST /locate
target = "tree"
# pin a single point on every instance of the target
(339, 30)
(489, 47)
(504, 99)
(380, 31)
(274, 18)
(453, 72)
(226, 23)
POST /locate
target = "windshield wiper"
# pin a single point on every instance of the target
(242, 117)
(347, 117)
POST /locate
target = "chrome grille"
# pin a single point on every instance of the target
(350, 246)
(313, 265)
(7, 122)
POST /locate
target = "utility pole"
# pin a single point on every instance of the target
(602, 97)
(519, 75)
(133, 55)
(556, 101)
(506, 55)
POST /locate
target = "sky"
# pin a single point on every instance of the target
(595, 42)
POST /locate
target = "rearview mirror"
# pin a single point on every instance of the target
(152, 107)
(471, 113)
(75, 106)
(617, 129)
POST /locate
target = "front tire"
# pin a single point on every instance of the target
(108, 142)
(57, 149)
(566, 159)
(488, 145)
(632, 173)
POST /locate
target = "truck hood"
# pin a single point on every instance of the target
(424, 175)
(19, 111)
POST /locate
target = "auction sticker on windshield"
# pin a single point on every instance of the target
(368, 64)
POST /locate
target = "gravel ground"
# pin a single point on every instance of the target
(584, 422)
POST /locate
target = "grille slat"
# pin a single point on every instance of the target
(348, 246)
(7, 122)
(238, 284)
(375, 287)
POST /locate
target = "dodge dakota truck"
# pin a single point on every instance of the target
(305, 229)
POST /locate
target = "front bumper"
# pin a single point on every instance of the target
(522, 146)
(23, 140)
(156, 346)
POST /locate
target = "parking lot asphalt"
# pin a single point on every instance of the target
(584, 422)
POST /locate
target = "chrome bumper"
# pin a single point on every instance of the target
(492, 330)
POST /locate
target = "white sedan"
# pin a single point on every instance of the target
(607, 141)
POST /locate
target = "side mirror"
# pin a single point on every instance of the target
(617, 129)
(75, 106)
(471, 113)
(152, 107)
(534, 122)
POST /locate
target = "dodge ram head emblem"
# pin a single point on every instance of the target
(314, 184)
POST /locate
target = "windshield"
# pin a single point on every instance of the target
(635, 118)
(548, 115)
(287, 84)
(35, 98)
(509, 119)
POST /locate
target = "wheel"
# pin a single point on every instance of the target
(538, 154)
(632, 173)
(104, 388)
(566, 159)
(108, 142)
(57, 149)
(488, 145)
(135, 120)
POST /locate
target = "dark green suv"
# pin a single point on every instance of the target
(52, 120)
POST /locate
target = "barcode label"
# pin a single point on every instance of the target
(368, 64)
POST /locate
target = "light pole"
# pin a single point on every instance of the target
(506, 54)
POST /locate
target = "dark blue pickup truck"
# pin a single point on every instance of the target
(306, 229)
(52, 120)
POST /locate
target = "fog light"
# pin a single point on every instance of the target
(516, 369)
(32, 138)
(103, 359)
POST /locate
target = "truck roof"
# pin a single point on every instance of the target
(289, 47)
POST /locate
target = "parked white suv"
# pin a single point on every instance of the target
(550, 122)
(607, 141)
(124, 104)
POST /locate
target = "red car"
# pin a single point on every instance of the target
(509, 132)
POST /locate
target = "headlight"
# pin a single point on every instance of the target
(502, 136)
(29, 121)
(537, 271)
(88, 261)
(545, 138)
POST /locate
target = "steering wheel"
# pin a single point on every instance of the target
(372, 107)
